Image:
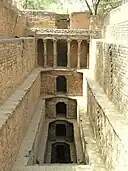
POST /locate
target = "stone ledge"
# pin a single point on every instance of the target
(12, 39)
(27, 144)
(56, 167)
(89, 144)
(6, 110)
(114, 117)
(60, 167)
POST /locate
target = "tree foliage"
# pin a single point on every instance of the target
(101, 6)
(37, 4)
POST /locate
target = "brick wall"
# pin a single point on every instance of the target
(15, 116)
(111, 60)
(71, 107)
(111, 73)
(17, 59)
(74, 82)
(12, 21)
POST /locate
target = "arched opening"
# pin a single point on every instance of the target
(40, 52)
(74, 53)
(84, 52)
(50, 58)
(61, 53)
(61, 84)
(60, 153)
(61, 131)
(61, 109)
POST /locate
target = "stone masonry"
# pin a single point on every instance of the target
(77, 61)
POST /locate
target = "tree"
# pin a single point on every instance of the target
(37, 4)
(101, 6)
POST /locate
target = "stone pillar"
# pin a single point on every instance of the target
(79, 53)
(55, 53)
(45, 52)
(88, 54)
(68, 53)
(87, 60)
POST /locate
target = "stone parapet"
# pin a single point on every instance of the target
(109, 127)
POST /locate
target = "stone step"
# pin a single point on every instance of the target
(59, 167)
(55, 167)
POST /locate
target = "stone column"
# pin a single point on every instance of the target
(45, 52)
(87, 60)
(88, 54)
(55, 53)
(68, 53)
(79, 53)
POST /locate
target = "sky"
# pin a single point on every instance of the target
(66, 7)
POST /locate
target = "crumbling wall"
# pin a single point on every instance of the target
(40, 19)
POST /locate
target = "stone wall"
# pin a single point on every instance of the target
(71, 107)
(15, 116)
(12, 21)
(115, 27)
(111, 73)
(17, 59)
(109, 127)
(62, 21)
(80, 20)
(40, 19)
(74, 82)
(110, 60)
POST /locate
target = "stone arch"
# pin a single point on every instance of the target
(61, 84)
(61, 109)
(60, 153)
(61, 129)
(40, 52)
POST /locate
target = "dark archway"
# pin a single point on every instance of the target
(61, 131)
(40, 52)
(60, 153)
(61, 53)
(61, 109)
(61, 84)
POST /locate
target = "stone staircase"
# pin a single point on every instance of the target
(59, 167)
